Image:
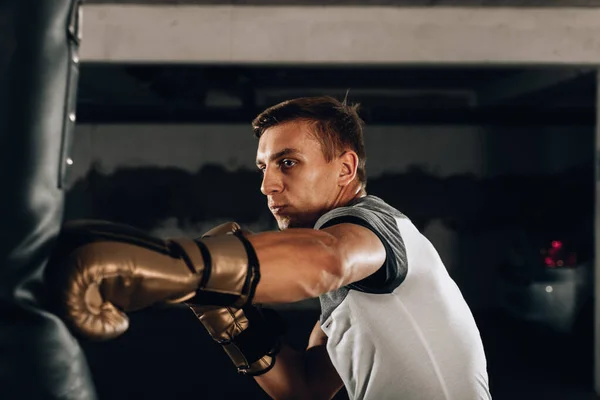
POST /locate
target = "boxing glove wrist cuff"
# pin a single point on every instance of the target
(250, 336)
(253, 351)
(228, 266)
(243, 362)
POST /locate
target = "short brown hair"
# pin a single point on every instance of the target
(337, 125)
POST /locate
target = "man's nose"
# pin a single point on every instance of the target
(271, 182)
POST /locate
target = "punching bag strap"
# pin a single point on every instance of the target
(74, 41)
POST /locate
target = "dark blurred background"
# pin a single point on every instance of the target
(493, 165)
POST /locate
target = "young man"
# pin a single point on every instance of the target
(394, 325)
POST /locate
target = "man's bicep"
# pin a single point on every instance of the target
(389, 245)
(321, 375)
(361, 251)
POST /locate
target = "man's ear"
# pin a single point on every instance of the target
(348, 167)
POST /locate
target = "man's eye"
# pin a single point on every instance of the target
(288, 163)
(262, 169)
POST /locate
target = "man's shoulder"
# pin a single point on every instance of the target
(382, 219)
(367, 204)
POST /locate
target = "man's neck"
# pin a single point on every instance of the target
(349, 194)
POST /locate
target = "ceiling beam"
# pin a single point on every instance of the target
(531, 116)
(525, 83)
(116, 85)
(267, 96)
(398, 3)
(318, 35)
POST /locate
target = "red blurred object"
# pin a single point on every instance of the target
(556, 256)
(550, 262)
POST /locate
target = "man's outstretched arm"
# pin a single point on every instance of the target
(100, 271)
(302, 375)
(298, 264)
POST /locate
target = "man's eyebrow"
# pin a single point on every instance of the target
(285, 152)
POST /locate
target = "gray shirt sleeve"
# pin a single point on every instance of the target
(382, 222)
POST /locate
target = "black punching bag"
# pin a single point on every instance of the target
(39, 39)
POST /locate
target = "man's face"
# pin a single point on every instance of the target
(299, 183)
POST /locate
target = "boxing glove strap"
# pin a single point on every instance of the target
(253, 349)
(229, 268)
(244, 366)
(249, 336)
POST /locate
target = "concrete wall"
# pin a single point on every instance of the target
(443, 151)
(390, 149)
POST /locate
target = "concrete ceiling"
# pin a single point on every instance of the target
(400, 3)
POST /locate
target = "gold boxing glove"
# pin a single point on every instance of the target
(249, 335)
(103, 270)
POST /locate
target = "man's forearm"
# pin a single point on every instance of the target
(301, 375)
(296, 264)
(286, 379)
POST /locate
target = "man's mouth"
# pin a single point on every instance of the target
(277, 208)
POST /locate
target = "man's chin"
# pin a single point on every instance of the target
(288, 222)
(291, 224)
(282, 223)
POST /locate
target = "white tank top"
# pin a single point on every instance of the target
(406, 331)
